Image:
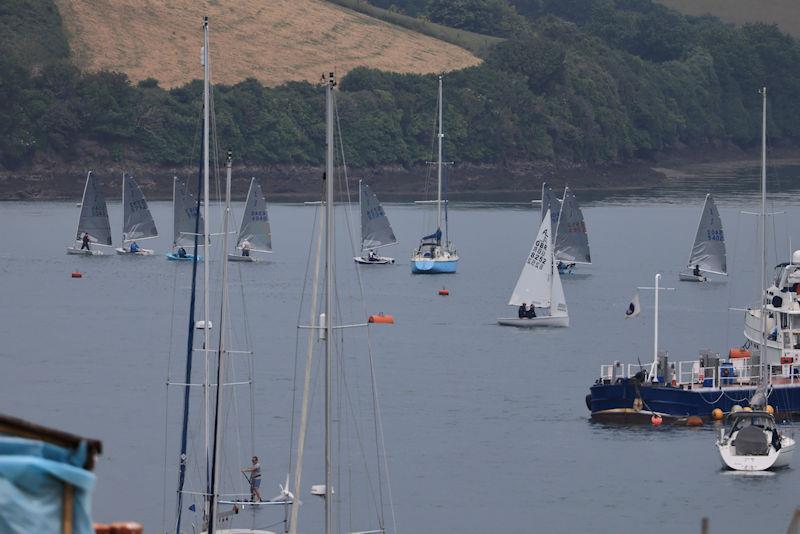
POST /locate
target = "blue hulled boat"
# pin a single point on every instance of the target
(435, 255)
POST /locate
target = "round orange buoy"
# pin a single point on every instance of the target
(381, 318)
(694, 420)
(77, 274)
(770, 409)
(444, 292)
(126, 528)
(717, 414)
(656, 420)
(100, 528)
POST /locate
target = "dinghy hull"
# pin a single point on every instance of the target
(84, 252)
(690, 277)
(535, 322)
(241, 259)
(172, 256)
(140, 252)
(380, 260)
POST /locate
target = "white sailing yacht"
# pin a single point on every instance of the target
(435, 255)
(376, 231)
(341, 506)
(539, 285)
(254, 232)
(137, 222)
(708, 251)
(213, 511)
(93, 226)
(187, 221)
(752, 441)
(570, 236)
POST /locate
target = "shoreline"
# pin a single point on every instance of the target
(467, 182)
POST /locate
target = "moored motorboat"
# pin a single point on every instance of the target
(753, 442)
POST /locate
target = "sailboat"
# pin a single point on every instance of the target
(708, 251)
(254, 232)
(213, 511)
(137, 222)
(752, 442)
(376, 231)
(326, 329)
(570, 236)
(539, 285)
(93, 225)
(435, 255)
(186, 221)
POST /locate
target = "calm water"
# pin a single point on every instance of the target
(486, 427)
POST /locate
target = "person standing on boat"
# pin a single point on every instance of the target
(254, 478)
(85, 242)
(696, 270)
(246, 248)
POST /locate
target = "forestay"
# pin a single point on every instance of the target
(94, 214)
(375, 228)
(550, 203)
(184, 214)
(572, 241)
(255, 221)
(709, 244)
(137, 222)
(534, 285)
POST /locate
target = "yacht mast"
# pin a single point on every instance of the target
(440, 136)
(329, 296)
(221, 354)
(206, 264)
(762, 349)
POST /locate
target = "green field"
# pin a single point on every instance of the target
(784, 13)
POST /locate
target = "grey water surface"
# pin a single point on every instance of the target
(486, 427)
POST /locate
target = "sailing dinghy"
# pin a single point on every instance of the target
(376, 231)
(185, 222)
(539, 285)
(254, 232)
(708, 251)
(137, 222)
(93, 221)
(570, 236)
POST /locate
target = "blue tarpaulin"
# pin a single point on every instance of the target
(437, 235)
(32, 479)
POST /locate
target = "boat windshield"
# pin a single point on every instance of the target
(764, 422)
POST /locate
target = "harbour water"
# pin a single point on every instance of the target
(486, 427)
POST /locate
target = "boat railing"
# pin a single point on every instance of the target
(786, 373)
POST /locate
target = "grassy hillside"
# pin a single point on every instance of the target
(784, 13)
(274, 42)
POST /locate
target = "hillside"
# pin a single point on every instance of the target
(784, 13)
(274, 42)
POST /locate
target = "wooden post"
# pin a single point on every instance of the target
(66, 512)
(794, 526)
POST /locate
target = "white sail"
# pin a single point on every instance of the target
(708, 251)
(558, 303)
(255, 221)
(534, 284)
(137, 222)
(185, 212)
(572, 241)
(94, 215)
(375, 228)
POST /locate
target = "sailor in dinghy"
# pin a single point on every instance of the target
(376, 231)
(254, 233)
(137, 222)
(93, 226)
(708, 251)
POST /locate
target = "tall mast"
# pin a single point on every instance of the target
(329, 296)
(440, 136)
(123, 211)
(206, 263)
(762, 349)
(221, 354)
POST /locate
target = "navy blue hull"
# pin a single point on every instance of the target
(618, 401)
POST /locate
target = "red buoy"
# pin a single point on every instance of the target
(656, 420)
(381, 318)
(444, 292)
(77, 274)
(694, 420)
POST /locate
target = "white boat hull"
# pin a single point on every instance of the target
(377, 260)
(141, 252)
(691, 277)
(78, 252)
(240, 258)
(534, 322)
(773, 460)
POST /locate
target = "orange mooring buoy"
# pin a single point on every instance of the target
(656, 420)
(77, 274)
(444, 292)
(381, 318)
(694, 420)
